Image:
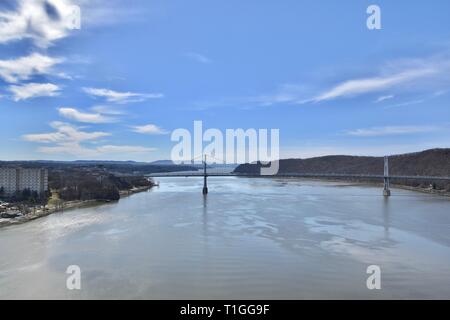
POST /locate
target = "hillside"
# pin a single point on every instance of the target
(433, 162)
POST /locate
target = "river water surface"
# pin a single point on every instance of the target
(248, 239)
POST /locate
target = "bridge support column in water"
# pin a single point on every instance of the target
(205, 182)
(386, 189)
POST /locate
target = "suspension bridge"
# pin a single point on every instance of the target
(205, 172)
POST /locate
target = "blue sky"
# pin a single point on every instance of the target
(137, 70)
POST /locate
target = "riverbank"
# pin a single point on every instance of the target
(424, 190)
(125, 193)
(438, 192)
(443, 193)
(429, 190)
(66, 205)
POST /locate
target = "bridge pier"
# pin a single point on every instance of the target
(386, 189)
(205, 186)
(205, 182)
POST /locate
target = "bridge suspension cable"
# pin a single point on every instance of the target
(225, 170)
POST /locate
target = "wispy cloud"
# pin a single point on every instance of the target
(149, 129)
(33, 90)
(198, 57)
(285, 93)
(356, 87)
(430, 74)
(391, 130)
(109, 12)
(24, 68)
(43, 21)
(74, 114)
(406, 103)
(390, 79)
(440, 92)
(121, 97)
(64, 133)
(383, 98)
(68, 139)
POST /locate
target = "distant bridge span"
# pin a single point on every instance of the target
(385, 177)
(294, 175)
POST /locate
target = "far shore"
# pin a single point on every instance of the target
(67, 205)
(444, 193)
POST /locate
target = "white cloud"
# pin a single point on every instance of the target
(429, 74)
(33, 90)
(121, 97)
(406, 103)
(286, 93)
(149, 129)
(383, 98)
(64, 133)
(24, 68)
(391, 130)
(74, 114)
(198, 57)
(404, 75)
(108, 12)
(367, 85)
(42, 21)
(68, 139)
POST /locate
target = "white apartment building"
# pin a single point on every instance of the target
(18, 179)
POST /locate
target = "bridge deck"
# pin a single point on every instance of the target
(296, 175)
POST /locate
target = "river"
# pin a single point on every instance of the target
(248, 239)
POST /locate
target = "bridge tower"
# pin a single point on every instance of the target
(386, 189)
(205, 183)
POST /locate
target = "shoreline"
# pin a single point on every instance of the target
(126, 193)
(67, 205)
(442, 193)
